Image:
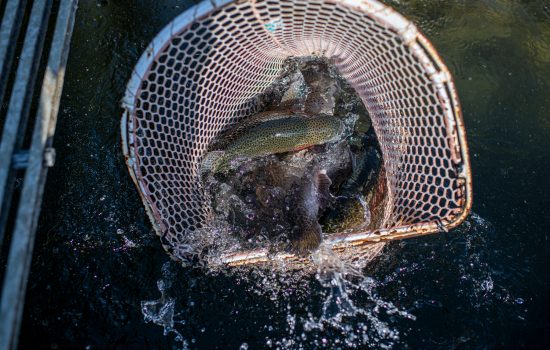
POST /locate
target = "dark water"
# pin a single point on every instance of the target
(485, 285)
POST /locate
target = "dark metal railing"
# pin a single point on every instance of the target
(34, 160)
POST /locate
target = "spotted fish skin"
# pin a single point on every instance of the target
(280, 135)
(243, 126)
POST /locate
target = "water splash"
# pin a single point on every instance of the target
(162, 311)
(352, 311)
(338, 304)
(334, 305)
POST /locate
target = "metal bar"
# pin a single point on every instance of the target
(19, 106)
(9, 31)
(20, 253)
(20, 160)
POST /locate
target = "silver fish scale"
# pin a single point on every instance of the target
(200, 74)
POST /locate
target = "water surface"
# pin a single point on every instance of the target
(484, 285)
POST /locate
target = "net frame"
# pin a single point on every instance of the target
(271, 38)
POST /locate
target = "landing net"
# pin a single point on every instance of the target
(200, 75)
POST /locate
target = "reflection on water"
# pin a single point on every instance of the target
(97, 263)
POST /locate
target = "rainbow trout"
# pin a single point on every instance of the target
(280, 134)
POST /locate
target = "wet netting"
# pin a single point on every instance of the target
(201, 73)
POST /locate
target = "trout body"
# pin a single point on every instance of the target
(279, 135)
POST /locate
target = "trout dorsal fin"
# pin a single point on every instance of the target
(323, 182)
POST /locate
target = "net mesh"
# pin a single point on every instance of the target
(200, 75)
